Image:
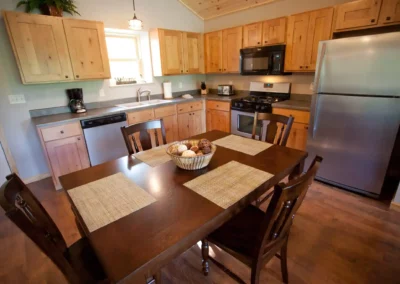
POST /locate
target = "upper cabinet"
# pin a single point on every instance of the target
(274, 31)
(47, 50)
(40, 47)
(87, 49)
(390, 12)
(213, 52)
(232, 43)
(304, 33)
(252, 35)
(176, 52)
(356, 14)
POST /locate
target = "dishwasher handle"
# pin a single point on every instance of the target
(104, 120)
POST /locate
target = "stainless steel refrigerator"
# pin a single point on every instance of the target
(355, 113)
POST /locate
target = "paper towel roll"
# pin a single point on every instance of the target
(167, 90)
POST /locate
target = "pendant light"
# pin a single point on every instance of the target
(135, 23)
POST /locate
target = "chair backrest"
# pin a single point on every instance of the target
(25, 211)
(143, 136)
(278, 129)
(281, 210)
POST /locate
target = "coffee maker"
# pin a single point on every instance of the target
(76, 100)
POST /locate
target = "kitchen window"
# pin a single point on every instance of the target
(124, 52)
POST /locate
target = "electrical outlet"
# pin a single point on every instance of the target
(180, 85)
(16, 99)
(101, 93)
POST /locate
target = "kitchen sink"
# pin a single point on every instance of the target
(141, 104)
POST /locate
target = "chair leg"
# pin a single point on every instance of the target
(204, 252)
(255, 274)
(285, 276)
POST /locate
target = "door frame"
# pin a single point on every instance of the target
(7, 152)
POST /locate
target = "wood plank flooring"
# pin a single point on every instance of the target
(337, 237)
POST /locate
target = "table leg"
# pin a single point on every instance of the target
(297, 171)
(205, 254)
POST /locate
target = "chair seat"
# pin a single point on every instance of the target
(85, 262)
(240, 233)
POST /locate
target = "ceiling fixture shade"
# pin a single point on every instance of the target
(135, 23)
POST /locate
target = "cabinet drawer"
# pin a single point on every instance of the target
(61, 131)
(218, 105)
(299, 115)
(165, 111)
(140, 116)
(192, 106)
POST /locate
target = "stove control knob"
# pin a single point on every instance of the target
(262, 107)
(240, 104)
(257, 107)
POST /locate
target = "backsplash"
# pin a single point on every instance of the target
(300, 82)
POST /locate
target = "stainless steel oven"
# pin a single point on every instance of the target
(242, 124)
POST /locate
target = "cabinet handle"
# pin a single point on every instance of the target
(62, 131)
(373, 21)
(388, 18)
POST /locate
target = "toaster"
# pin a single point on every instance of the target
(225, 90)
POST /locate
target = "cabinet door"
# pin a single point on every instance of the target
(356, 14)
(252, 35)
(87, 48)
(40, 47)
(183, 125)
(232, 43)
(67, 155)
(298, 136)
(209, 120)
(171, 128)
(390, 12)
(192, 51)
(195, 123)
(274, 31)
(319, 28)
(171, 52)
(296, 42)
(220, 120)
(213, 52)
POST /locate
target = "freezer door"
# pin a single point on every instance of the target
(367, 65)
(355, 136)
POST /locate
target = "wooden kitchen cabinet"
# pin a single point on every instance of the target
(390, 12)
(232, 43)
(170, 120)
(298, 136)
(304, 33)
(176, 52)
(357, 14)
(274, 31)
(218, 116)
(40, 47)
(190, 124)
(213, 52)
(252, 35)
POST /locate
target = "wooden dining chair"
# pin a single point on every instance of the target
(144, 136)
(78, 262)
(254, 237)
(278, 129)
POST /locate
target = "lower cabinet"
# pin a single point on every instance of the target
(298, 136)
(171, 128)
(218, 116)
(67, 155)
(190, 124)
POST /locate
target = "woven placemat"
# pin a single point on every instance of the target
(229, 183)
(106, 200)
(155, 156)
(245, 145)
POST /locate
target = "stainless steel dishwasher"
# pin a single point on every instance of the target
(104, 139)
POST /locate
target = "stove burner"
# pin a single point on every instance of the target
(254, 103)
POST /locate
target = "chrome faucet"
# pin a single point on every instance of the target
(140, 92)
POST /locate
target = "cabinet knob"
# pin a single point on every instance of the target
(301, 67)
(66, 76)
(388, 18)
(224, 69)
(187, 71)
(258, 42)
(181, 71)
(79, 139)
(305, 127)
(77, 76)
(373, 21)
(220, 69)
(266, 41)
(306, 67)
(62, 131)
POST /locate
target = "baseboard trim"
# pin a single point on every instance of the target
(36, 178)
(395, 206)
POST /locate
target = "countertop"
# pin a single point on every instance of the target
(294, 104)
(49, 120)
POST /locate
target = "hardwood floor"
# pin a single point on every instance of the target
(337, 237)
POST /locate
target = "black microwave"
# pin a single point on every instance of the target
(266, 60)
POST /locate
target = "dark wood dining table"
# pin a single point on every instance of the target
(134, 248)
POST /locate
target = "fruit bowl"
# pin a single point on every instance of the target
(190, 163)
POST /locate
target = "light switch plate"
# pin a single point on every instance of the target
(180, 85)
(17, 99)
